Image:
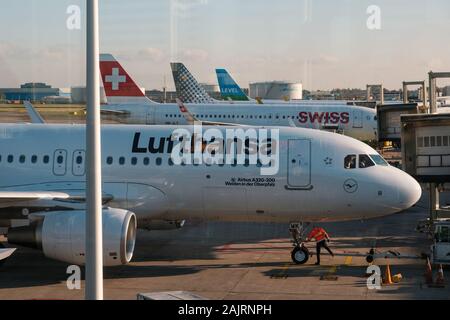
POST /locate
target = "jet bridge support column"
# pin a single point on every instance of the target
(433, 76)
(369, 91)
(434, 191)
(423, 87)
(434, 201)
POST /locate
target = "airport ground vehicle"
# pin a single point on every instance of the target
(440, 250)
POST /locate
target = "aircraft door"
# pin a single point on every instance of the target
(357, 119)
(299, 164)
(78, 163)
(60, 162)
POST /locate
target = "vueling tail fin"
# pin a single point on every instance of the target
(119, 86)
(229, 89)
(188, 89)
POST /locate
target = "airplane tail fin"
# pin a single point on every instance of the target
(188, 89)
(119, 86)
(190, 118)
(229, 89)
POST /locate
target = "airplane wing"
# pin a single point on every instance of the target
(191, 119)
(33, 113)
(9, 197)
(37, 198)
(119, 113)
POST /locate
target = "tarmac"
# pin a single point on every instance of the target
(218, 260)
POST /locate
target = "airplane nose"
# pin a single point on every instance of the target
(409, 191)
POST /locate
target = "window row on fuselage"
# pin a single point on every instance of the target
(146, 161)
(109, 160)
(233, 116)
(34, 159)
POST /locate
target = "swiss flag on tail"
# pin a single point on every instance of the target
(116, 81)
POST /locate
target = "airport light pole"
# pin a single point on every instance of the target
(94, 232)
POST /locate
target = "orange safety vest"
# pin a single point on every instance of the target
(318, 233)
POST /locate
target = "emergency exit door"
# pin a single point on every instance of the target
(78, 163)
(357, 119)
(299, 166)
(60, 162)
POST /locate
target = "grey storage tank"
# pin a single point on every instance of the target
(276, 90)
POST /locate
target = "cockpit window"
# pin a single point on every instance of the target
(350, 161)
(379, 160)
(365, 161)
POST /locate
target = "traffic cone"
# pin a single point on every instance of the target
(387, 275)
(440, 277)
(428, 273)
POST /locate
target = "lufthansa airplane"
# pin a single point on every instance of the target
(267, 174)
(128, 104)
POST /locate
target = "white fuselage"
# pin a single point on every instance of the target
(354, 121)
(311, 183)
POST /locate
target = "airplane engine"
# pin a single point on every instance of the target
(61, 236)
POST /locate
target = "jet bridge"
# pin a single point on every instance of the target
(369, 88)
(433, 76)
(426, 153)
(389, 126)
(423, 89)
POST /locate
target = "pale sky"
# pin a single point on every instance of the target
(324, 44)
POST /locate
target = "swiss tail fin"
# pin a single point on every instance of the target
(119, 86)
(188, 89)
(229, 89)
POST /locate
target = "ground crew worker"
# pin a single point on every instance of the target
(321, 237)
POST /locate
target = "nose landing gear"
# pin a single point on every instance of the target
(300, 254)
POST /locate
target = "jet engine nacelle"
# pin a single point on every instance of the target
(61, 236)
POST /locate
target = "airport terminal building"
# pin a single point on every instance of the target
(29, 92)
